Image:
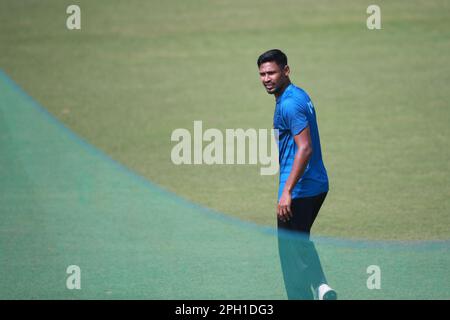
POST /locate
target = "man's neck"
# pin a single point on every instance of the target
(279, 93)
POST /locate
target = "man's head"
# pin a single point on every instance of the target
(273, 71)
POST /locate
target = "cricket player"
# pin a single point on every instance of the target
(303, 182)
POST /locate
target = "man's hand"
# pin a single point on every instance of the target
(284, 206)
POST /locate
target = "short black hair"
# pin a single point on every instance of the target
(273, 55)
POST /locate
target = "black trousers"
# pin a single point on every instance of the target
(300, 263)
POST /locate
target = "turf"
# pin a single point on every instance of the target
(65, 203)
(136, 71)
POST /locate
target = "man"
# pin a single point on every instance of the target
(303, 179)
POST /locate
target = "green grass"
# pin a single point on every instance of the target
(138, 70)
(132, 240)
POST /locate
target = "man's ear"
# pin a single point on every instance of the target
(286, 70)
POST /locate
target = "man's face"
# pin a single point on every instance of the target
(273, 77)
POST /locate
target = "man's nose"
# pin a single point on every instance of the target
(266, 78)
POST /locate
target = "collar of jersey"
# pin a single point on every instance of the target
(278, 100)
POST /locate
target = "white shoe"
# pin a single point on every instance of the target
(325, 292)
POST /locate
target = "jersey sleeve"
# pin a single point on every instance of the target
(295, 116)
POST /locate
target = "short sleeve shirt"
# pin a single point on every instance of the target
(294, 111)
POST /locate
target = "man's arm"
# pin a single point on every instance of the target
(302, 156)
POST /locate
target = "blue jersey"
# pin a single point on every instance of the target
(294, 111)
